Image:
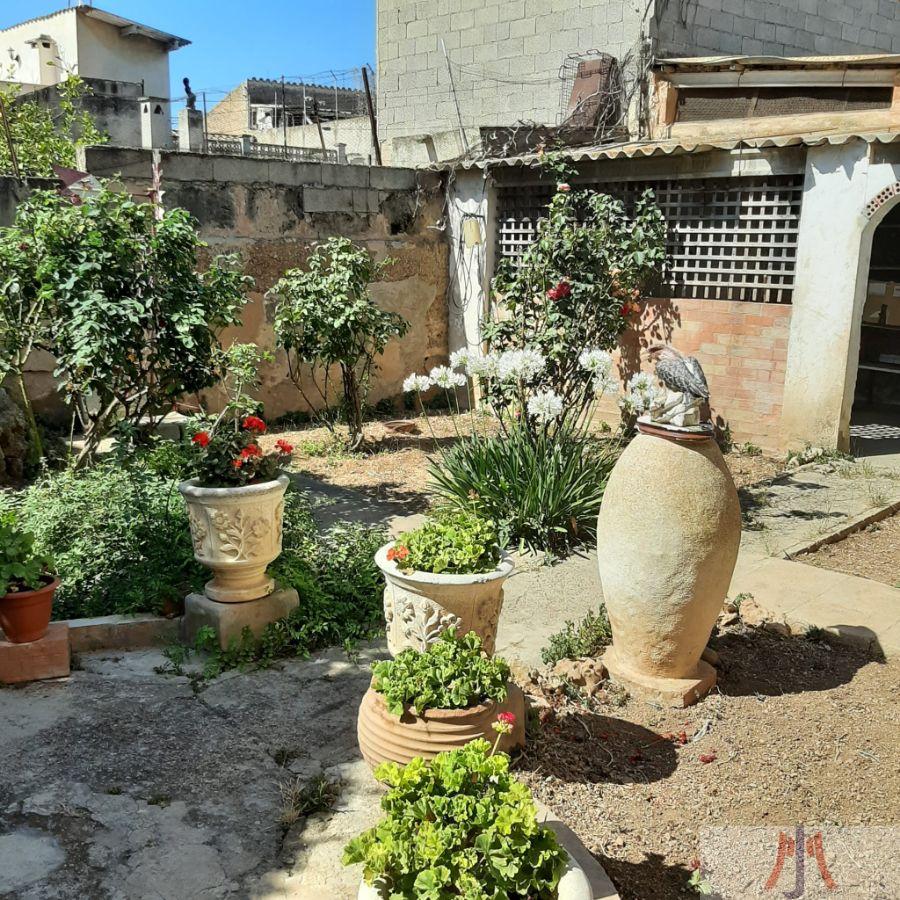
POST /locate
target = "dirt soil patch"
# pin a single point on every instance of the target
(395, 465)
(797, 732)
(873, 552)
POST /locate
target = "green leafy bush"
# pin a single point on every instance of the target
(543, 491)
(119, 537)
(452, 673)
(458, 826)
(587, 638)
(454, 543)
(22, 568)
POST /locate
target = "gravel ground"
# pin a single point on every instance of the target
(796, 732)
(872, 553)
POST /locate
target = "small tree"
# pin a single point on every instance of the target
(43, 137)
(113, 283)
(325, 317)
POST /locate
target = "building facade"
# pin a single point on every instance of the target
(449, 69)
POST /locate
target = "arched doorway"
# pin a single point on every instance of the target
(875, 418)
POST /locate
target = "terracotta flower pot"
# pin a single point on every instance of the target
(418, 606)
(25, 615)
(667, 542)
(385, 737)
(573, 885)
(236, 532)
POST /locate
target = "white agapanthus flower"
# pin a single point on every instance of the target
(597, 362)
(459, 359)
(482, 366)
(415, 382)
(642, 393)
(524, 365)
(545, 406)
(444, 377)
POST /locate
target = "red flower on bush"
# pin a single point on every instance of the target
(254, 423)
(563, 188)
(201, 439)
(251, 450)
(507, 718)
(237, 463)
(397, 552)
(562, 290)
(284, 446)
(625, 310)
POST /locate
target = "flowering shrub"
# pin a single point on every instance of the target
(458, 543)
(458, 826)
(228, 454)
(452, 673)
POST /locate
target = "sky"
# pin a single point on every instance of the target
(236, 39)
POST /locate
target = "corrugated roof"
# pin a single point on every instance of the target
(857, 59)
(678, 146)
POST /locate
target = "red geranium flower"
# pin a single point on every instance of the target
(507, 718)
(284, 446)
(237, 463)
(562, 290)
(625, 310)
(201, 439)
(250, 450)
(397, 552)
(254, 423)
(563, 188)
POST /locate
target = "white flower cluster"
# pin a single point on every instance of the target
(419, 383)
(598, 363)
(482, 366)
(520, 365)
(545, 406)
(460, 359)
(642, 393)
(444, 377)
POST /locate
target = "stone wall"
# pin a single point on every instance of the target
(271, 212)
(777, 27)
(743, 349)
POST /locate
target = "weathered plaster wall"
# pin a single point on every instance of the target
(271, 212)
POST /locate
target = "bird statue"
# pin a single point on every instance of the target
(686, 386)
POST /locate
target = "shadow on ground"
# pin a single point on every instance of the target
(650, 879)
(590, 748)
(754, 662)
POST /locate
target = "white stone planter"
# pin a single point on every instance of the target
(667, 542)
(573, 885)
(418, 606)
(236, 532)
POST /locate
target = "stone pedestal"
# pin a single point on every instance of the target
(667, 543)
(229, 620)
(190, 131)
(47, 658)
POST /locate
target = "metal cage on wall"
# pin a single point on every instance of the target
(727, 238)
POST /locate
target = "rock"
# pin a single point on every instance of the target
(781, 628)
(727, 619)
(13, 439)
(753, 614)
(585, 673)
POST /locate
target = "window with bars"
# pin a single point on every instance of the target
(727, 238)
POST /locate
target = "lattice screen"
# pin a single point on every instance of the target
(728, 238)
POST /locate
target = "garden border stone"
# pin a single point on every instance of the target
(121, 632)
(850, 526)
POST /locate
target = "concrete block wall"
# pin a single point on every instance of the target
(506, 56)
(743, 349)
(777, 27)
(272, 212)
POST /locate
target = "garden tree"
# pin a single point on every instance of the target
(325, 317)
(114, 287)
(42, 136)
(577, 286)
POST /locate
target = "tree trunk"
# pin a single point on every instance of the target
(352, 407)
(35, 445)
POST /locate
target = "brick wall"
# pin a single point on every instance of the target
(778, 27)
(742, 348)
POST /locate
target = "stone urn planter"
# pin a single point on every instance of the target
(418, 606)
(236, 532)
(573, 885)
(384, 737)
(25, 615)
(667, 542)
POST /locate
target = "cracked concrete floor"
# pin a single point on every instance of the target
(122, 783)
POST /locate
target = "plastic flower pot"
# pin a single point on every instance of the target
(236, 532)
(384, 737)
(419, 606)
(25, 615)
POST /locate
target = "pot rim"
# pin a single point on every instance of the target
(26, 595)
(193, 489)
(504, 569)
(436, 714)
